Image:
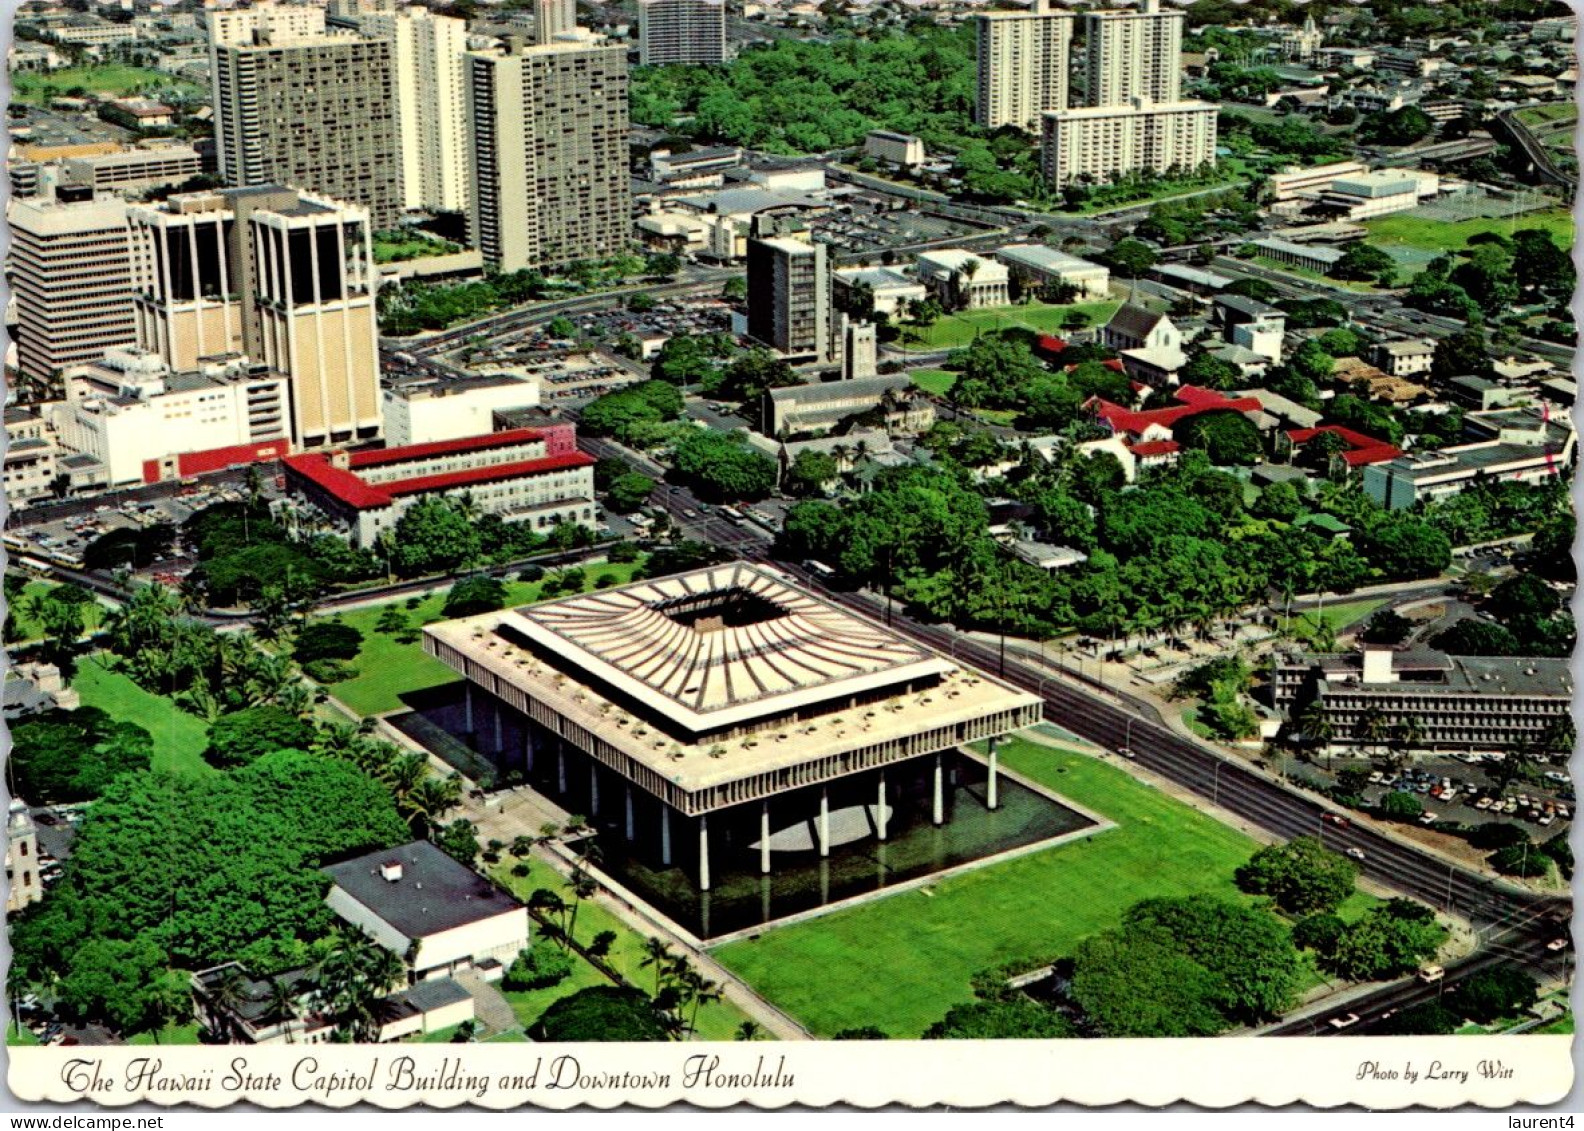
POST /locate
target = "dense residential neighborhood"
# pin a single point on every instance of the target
(697, 521)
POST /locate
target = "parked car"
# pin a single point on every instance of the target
(1345, 1021)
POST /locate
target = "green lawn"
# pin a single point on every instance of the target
(1549, 112)
(958, 329)
(1339, 616)
(1563, 1024)
(409, 245)
(179, 738)
(1403, 229)
(902, 961)
(936, 381)
(28, 629)
(1231, 174)
(111, 79)
(170, 1035)
(20, 1035)
(1305, 273)
(717, 1021)
(387, 668)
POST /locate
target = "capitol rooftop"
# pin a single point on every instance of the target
(719, 686)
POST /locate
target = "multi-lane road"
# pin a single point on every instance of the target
(1513, 923)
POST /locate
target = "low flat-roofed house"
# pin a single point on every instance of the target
(440, 915)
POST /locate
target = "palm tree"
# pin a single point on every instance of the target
(701, 990)
(1316, 725)
(226, 996)
(659, 955)
(583, 887)
(1373, 729)
(281, 1005)
(748, 1031)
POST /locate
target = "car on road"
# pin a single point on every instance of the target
(1354, 854)
(1557, 944)
(1347, 1020)
(1339, 821)
(1432, 974)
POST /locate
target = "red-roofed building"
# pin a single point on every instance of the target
(1361, 450)
(1158, 423)
(513, 474)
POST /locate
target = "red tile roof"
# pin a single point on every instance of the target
(1195, 400)
(382, 456)
(1362, 449)
(1154, 448)
(350, 489)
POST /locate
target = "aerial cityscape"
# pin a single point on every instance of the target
(764, 520)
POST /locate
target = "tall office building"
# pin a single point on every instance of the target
(281, 276)
(1023, 64)
(789, 297)
(681, 31)
(233, 26)
(1132, 54)
(70, 270)
(1095, 144)
(316, 112)
(549, 177)
(431, 113)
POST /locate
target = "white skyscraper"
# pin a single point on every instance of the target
(1133, 54)
(1133, 115)
(431, 109)
(1022, 68)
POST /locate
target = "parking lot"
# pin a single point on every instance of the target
(695, 316)
(1458, 789)
(62, 540)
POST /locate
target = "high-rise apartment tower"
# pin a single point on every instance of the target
(681, 31)
(316, 112)
(548, 123)
(1023, 63)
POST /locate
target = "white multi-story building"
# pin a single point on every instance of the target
(548, 122)
(681, 31)
(902, 150)
(1022, 65)
(427, 53)
(893, 290)
(1097, 144)
(523, 475)
(30, 455)
(71, 275)
(1293, 183)
(240, 26)
(132, 415)
(1133, 54)
(427, 409)
(963, 280)
(1049, 265)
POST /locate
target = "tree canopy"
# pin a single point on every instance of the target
(602, 1013)
(64, 756)
(1301, 876)
(242, 737)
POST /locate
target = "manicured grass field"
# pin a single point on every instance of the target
(1550, 112)
(388, 669)
(1339, 617)
(28, 629)
(110, 78)
(179, 738)
(20, 1035)
(1563, 1024)
(1305, 273)
(902, 961)
(953, 330)
(717, 1021)
(936, 381)
(1406, 230)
